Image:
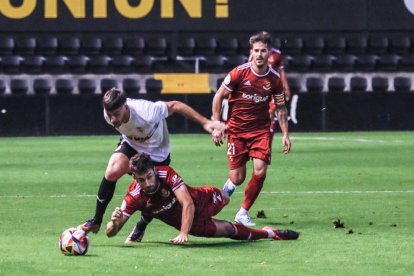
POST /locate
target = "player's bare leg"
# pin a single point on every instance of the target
(241, 232)
(118, 166)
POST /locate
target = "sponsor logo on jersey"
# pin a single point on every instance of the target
(166, 206)
(256, 98)
(149, 135)
(247, 83)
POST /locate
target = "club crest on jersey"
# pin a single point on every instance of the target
(165, 192)
(267, 86)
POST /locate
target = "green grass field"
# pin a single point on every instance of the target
(364, 179)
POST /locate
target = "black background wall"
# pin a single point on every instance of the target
(83, 114)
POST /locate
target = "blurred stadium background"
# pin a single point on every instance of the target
(349, 63)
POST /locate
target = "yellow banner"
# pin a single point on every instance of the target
(184, 83)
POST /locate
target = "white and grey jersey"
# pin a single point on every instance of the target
(146, 130)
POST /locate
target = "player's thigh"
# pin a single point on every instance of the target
(260, 147)
(237, 152)
(118, 165)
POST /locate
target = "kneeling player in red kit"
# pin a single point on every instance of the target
(160, 192)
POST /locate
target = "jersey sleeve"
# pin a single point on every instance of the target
(174, 180)
(130, 203)
(127, 206)
(231, 81)
(152, 112)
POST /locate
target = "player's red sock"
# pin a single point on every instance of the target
(244, 233)
(252, 190)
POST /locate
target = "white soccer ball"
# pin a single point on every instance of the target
(74, 242)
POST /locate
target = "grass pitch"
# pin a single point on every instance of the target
(364, 179)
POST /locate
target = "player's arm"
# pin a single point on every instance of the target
(282, 118)
(187, 216)
(188, 112)
(285, 84)
(117, 221)
(220, 95)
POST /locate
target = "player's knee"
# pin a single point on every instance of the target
(237, 179)
(113, 175)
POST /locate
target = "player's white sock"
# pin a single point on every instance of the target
(229, 187)
(242, 212)
(270, 233)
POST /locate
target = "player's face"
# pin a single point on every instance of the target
(148, 181)
(260, 53)
(119, 115)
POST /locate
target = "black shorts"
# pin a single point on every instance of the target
(125, 148)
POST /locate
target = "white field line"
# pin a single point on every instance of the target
(361, 140)
(263, 192)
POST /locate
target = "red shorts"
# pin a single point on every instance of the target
(208, 205)
(240, 150)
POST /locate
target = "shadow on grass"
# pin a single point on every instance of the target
(231, 244)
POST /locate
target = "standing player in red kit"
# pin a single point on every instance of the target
(158, 191)
(250, 88)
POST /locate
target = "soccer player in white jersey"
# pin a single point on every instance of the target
(144, 129)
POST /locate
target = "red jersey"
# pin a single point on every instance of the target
(275, 59)
(250, 97)
(164, 206)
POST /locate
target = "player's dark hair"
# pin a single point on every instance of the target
(263, 37)
(140, 163)
(113, 99)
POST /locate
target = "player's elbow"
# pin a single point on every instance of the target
(174, 106)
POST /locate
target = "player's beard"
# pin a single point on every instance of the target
(260, 63)
(153, 190)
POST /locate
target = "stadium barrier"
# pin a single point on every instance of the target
(40, 115)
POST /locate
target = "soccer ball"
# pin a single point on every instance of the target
(74, 241)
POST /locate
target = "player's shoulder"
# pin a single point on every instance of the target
(273, 72)
(275, 51)
(135, 103)
(164, 171)
(134, 189)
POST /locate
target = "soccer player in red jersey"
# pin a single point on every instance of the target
(250, 88)
(159, 192)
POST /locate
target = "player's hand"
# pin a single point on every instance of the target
(286, 144)
(117, 214)
(288, 95)
(217, 137)
(180, 239)
(211, 125)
